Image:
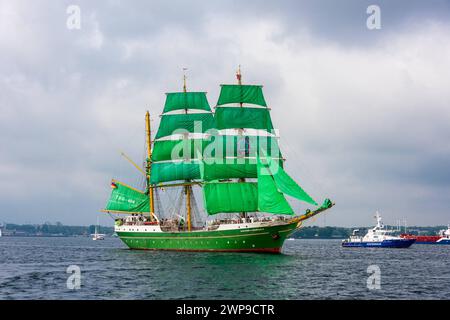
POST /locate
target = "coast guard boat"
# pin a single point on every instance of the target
(377, 237)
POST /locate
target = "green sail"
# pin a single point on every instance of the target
(164, 150)
(230, 197)
(234, 156)
(186, 100)
(236, 117)
(269, 198)
(287, 185)
(182, 123)
(252, 94)
(245, 146)
(126, 199)
(231, 169)
(174, 171)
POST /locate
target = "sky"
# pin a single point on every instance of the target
(363, 114)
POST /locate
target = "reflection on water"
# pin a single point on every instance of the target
(33, 268)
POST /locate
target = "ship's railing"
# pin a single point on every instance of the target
(139, 220)
(245, 220)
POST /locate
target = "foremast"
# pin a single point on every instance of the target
(179, 143)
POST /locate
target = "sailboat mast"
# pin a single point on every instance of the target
(187, 188)
(149, 167)
(240, 131)
(188, 207)
(239, 76)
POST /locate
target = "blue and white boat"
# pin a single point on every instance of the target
(377, 237)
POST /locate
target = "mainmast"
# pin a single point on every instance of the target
(241, 130)
(149, 162)
(239, 76)
(187, 188)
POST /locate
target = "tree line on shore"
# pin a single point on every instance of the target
(309, 232)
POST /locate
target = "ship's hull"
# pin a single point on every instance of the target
(268, 239)
(427, 239)
(400, 243)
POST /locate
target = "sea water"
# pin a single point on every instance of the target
(43, 268)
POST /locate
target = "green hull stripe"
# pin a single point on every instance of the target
(194, 237)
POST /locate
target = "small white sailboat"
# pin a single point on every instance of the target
(96, 235)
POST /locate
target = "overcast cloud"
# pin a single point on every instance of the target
(363, 114)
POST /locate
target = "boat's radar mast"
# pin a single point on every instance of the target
(378, 217)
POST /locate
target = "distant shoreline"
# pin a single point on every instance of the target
(310, 232)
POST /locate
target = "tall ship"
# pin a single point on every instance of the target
(231, 159)
(377, 237)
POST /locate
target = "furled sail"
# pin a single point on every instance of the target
(127, 199)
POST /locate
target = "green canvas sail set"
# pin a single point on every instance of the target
(232, 156)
